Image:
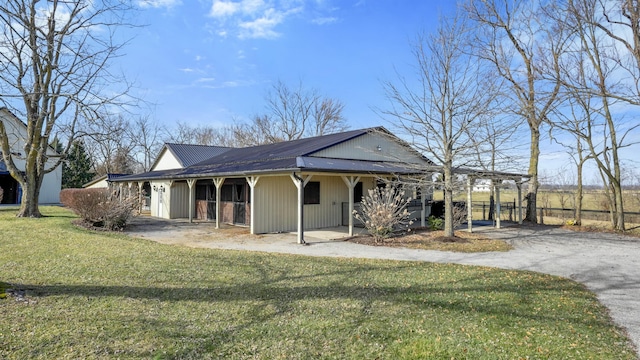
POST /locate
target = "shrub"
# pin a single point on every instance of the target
(435, 223)
(101, 207)
(384, 211)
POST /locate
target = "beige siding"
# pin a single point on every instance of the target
(179, 200)
(276, 201)
(366, 148)
(167, 161)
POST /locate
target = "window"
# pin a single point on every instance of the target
(312, 192)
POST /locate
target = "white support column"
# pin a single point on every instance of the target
(519, 186)
(300, 183)
(218, 184)
(120, 191)
(351, 184)
(470, 181)
(497, 187)
(191, 182)
(140, 186)
(252, 181)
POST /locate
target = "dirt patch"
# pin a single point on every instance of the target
(435, 240)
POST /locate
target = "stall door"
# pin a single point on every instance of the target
(239, 204)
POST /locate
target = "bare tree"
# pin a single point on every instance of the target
(146, 137)
(441, 110)
(53, 73)
(111, 145)
(516, 38)
(599, 74)
(296, 113)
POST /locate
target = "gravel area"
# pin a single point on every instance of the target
(608, 264)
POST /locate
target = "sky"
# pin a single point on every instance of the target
(212, 62)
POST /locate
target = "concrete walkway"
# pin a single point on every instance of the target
(608, 264)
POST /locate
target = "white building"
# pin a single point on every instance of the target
(12, 192)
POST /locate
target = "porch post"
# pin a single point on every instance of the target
(300, 182)
(191, 182)
(351, 184)
(218, 184)
(140, 186)
(252, 181)
(497, 188)
(470, 182)
(519, 186)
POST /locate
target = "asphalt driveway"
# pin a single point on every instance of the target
(608, 264)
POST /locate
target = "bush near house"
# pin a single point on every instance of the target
(101, 208)
(384, 211)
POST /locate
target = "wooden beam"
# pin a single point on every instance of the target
(191, 182)
(351, 183)
(218, 184)
(253, 181)
(300, 183)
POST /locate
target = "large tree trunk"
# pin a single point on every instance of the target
(448, 201)
(619, 215)
(579, 197)
(31, 183)
(532, 192)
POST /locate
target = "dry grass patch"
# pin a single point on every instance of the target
(435, 240)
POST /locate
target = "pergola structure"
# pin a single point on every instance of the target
(496, 177)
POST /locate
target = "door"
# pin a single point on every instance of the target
(160, 204)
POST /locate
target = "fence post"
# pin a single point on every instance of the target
(541, 216)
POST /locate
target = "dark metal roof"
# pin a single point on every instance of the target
(289, 156)
(188, 154)
(308, 164)
(285, 149)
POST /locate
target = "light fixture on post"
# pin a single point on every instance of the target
(155, 188)
(162, 188)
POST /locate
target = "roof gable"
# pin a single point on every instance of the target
(283, 150)
(188, 154)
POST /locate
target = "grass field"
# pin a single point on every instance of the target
(97, 295)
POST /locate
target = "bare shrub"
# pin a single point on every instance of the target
(384, 211)
(101, 207)
(459, 215)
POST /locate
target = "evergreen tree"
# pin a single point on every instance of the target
(77, 170)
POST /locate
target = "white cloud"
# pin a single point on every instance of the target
(259, 19)
(262, 27)
(224, 8)
(159, 3)
(324, 20)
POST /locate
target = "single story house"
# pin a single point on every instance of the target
(12, 191)
(289, 186)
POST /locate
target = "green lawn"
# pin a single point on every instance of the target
(94, 295)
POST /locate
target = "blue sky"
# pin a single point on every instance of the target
(210, 62)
